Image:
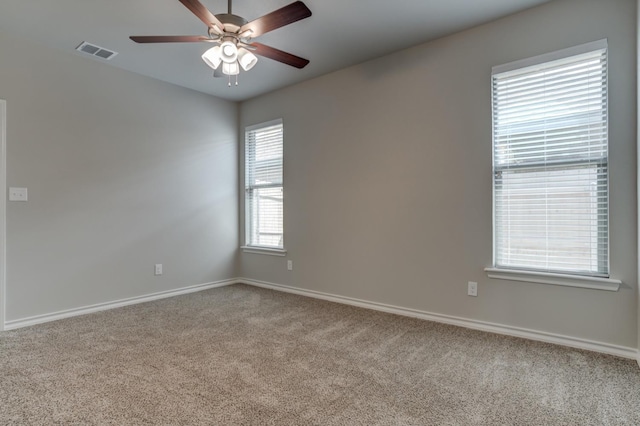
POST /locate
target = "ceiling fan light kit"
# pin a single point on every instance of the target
(212, 57)
(246, 59)
(230, 69)
(233, 34)
(228, 52)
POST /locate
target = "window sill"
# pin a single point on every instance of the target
(595, 283)
(269, 251)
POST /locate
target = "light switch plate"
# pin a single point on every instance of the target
(17, 194)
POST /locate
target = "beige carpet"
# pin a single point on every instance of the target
(242, 355)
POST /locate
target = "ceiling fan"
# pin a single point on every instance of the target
(233, 36)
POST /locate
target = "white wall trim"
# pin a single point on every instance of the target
(3, 211)
(551, 56)
(264, 250)
(542, 336)
(39, 319)
(594, 283)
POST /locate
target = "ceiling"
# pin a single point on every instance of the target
(340, 33)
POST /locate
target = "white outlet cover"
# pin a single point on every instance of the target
(18, 194)
(472, 289)
(290, 265)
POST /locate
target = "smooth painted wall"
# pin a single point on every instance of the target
(638, 159)
(388, 187)
(123, 172)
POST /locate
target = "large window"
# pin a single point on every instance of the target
(550, 163)
(263, 185)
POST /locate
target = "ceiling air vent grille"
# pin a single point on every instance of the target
(93, 50)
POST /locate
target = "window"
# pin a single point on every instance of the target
(550, 163)
(263, 185)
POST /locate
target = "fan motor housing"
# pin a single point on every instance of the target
(232, 23)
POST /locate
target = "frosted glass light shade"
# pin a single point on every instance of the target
(231, 69)
(212, 57)
(246, 59)
(228, 52)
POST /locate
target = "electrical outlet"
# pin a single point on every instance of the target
(290, 265)
(472, 289)
(158, 270)
(18, 194)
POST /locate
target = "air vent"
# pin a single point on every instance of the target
(93, 50)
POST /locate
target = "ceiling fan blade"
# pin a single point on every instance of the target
(278, 55)
(203, 13)
(169, 39)
(276, 19)
(218, 72)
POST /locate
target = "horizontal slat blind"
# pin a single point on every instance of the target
(263, 185)
(550, 166)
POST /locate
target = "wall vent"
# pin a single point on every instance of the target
(93, 50)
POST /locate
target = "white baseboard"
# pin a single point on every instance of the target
(542, 336)
(39, 319)
(574, 342)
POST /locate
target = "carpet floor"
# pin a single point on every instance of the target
(241, 355)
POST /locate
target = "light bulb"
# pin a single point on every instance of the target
(231, 69)
(246, 59)
(228, 52)
(212, 57)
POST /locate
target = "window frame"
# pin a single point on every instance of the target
(539, 275)
(248, 246)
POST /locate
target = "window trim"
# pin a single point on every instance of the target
(550, 57)
(271, 251)
(535, 276)
(595, 283)
(247, 247)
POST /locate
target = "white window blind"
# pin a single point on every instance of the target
(263, 185)
(550, 140)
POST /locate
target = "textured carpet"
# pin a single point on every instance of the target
(243, 355)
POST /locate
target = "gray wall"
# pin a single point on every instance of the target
(388, 177)
(123, 171)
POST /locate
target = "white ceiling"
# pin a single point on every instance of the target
(340, 33)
